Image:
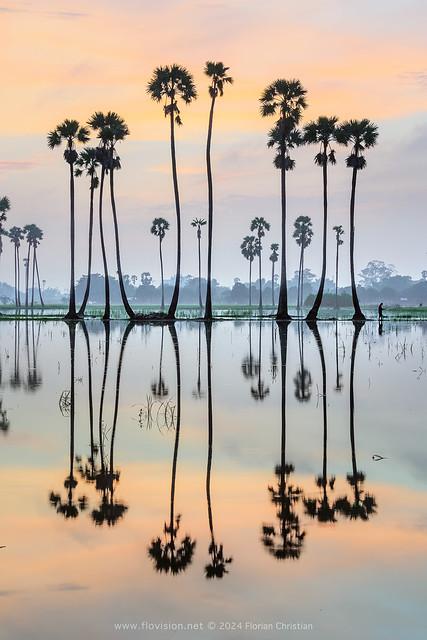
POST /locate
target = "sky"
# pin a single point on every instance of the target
(69, 59)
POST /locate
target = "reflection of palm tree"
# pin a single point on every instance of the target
(260, 392)
(321, 508)
(159, 388)
(88, 471)
(362, 504)
(69, 508)
(4, 421)
(338, 377)
(273, 353)
(198, 393)
(218, 564)
(166, 555)
(15, 379)
(34, 379)
(302, 379)
(286, 542)
(110, 510)
(250, 366)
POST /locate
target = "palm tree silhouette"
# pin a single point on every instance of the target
(273, 353)
(69, 508)
(286, 542)
(34, 237)
(171, 83)
(273, 258)
(69, 132)
(320, 507)
(339, 231)
(250, 366)
(4, 421)
(285, 98)
(260, 392)
(16, 234)
(250, 248)
(159, 226)
(217, 566)
(4, 210)
(338, 375)
(199, 223)
(34, 378)
(89, 470)
(360, 135)
(260, 225)
(361, 505)
(322, 132)
(303, 234)
(198, 393)
(15, 378)
(302, 379)
(88, 163)
(159, 388)
(166, 555)
(218, 75)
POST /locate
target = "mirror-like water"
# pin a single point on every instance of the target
(243, 475)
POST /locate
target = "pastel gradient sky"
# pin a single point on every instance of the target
(364, 59)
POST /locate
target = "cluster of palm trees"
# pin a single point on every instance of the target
(33, 236)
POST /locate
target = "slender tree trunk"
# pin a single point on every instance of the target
(72, 337)
(117, 395)
(16, 278)
(302, 278)
(72, 315)
(162, 276)
(90, 397)
(208, 305)
(272, 283)
(89, 261)
(315, 330)
(250, 284)
(358, 315)
(260, 282)
(33, 281)
(336, 276)
(313, 313)
(200, 269)
(283, 338)
(19, 276)
(125, 301)
(299, 281)
(208, 332)
(107, 310)
(38, 278)
(282, 309)
(101, 401)
(357, 329)
(174, 302)
(175, 342)
(27, 276)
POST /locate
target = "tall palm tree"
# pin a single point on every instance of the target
(159, 226)
(30, 232)
(70, 132)
(218, 75)
(88, 163)
(273, 258)
(260, 225)
(171, 83)
(4, 210)
(198, 223)
(250, 248)
(285, 99)
(322, 132)
(339, 231)
(303, 234)
(360, 135)
(16, 234)
(217, 567)
(36, 236)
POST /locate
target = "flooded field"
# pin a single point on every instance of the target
(193, 482)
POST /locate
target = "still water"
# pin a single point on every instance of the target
(249, 477)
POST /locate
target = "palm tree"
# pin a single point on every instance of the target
(217, 567)
(36, 236)
(339, 231)
(198, 223)
(274, 258)
(285, 98)
(159, 226)
(4, 209)
(322, 131)
(260, 225)
(360, 135)
(250, 248)
(16, 234)
(303, 234)
(70, 132)
(171, 83)
(30, 232)
(88, 163)
(218, 75)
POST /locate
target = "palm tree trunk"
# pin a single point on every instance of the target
(282, 309)
(19, 276)
(283, 338)
(27, 276)
(260, 283)
(38, 278)
(107, 310)
(312, 314)
(272, 283)
(117, 395)
(302, 278)
(33, 281)
(358, 315)
(299, 281)
(336, 276)
(72, 315)
(357, 329)
(200, 269)
(174, 302)
(101, 401)
(250, 284)
(16, 279)
(89, 261)
(125, 301)
(175, 342)
(208, 331)
(72, 337)
(90, 395)
(162, 276)
(208, 305)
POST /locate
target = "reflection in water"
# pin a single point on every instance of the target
(302, 379)
(198, 392)
(260, 391)
(361, 504)
(34, 378)
(273, 355)
(159, 388)
(217, 567)
(88, 469)
(167, 555)
(338, 375)
(15, 378)
(287, 540)
(4, 421)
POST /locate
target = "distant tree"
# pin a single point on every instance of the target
(169, 84)
(339, 231)
(218, 74)
(159, 226)
(260, 225)
(198, 223)
(285, 98)
(16, 234)
(360, 135)
(303, 234)
(274, 258)
(375, 272)
(146, 279)
(250, 249)
(4, 210)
